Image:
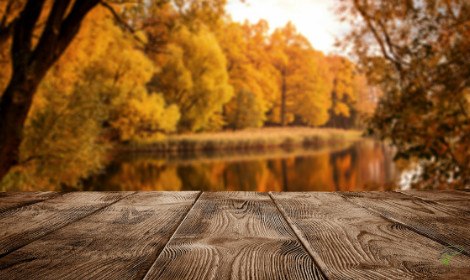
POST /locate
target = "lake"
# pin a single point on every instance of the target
(364, 165)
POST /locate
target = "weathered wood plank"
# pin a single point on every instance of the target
(450, 226)
(234, 236)
(36, 220)
(120, 242)
(349, 242)
(452, 198)
(13, 200)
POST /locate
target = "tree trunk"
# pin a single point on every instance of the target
(30, 64)
(283, 99)
(14, 108)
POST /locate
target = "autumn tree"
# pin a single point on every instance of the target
(258, 44)
(419, 51)
(251, 73)
(312, 107)
(31, 59)
(94, 95)
(193, 76)
(343, 94)
(303, 85)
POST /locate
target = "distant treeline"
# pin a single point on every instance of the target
(188, 67)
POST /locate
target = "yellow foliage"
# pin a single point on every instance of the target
(101, 78)
(145, 116)
(302, 77)
(251, 74)
(194, 77)
(344, 79)
(342, 109)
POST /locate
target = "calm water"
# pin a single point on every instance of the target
(365, 165)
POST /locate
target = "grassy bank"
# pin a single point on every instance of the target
(245, 141)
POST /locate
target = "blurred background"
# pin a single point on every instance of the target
(268, 95)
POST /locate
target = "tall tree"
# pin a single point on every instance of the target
(303, 85)
(30, 62)
(419, 50)
(343, 95)
(194, 76)
(251, 73)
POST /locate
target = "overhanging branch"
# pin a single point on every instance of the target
(121, 22)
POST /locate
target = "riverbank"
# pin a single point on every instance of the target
(245, 141)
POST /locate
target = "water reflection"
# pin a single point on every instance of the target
(365, 165)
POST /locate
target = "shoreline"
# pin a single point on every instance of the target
(244, 141)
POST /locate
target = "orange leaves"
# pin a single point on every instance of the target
(423, 71)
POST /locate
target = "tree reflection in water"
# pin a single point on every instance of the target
(366, 165)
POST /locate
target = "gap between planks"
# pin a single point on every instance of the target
(318, 263)
(219, 214)
(302, 240)
(172, 236)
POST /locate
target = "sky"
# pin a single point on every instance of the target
(315, 19)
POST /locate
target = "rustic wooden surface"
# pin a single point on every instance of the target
(12, 200)
(242, 235)
(234, 236)
(448, 225)
(119, 242)
(457, 199)
(40, 219)
(358, 245)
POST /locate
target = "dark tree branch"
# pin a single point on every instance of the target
(24, 28)
(121, 22)
(388, 41)
(50, 34)
(6, 31)
(3, 22)
(71, 24)
(377, 37)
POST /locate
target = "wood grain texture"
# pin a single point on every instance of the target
(234, 236)
(457, 199)
(12, 200)
(120, 242)
(31, 222)
(349, 242)
(449, 226)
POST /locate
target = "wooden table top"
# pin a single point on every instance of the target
(235, 235)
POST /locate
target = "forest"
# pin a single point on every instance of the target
(81, 77)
